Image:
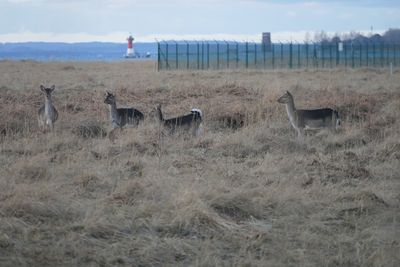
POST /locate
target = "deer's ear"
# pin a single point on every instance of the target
(42, 88)
(53, 87)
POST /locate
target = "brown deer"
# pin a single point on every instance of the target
(189, 122)
(302, 119)
(47, 114)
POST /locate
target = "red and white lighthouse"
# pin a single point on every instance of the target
(130, 52)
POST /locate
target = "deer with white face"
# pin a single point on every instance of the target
(302, 119)
(189, 122)
(47, 114)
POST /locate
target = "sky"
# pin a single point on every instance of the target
(148, 20)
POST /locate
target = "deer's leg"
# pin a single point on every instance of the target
(300, 134)
(41, 125)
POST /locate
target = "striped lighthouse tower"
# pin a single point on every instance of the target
(130, 52)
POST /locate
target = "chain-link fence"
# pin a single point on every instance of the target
(247, 55)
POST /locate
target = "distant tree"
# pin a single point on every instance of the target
(376, 38)
(392, 36)
(321, 37)
(353, 35)
(335, 39)
(361, 39)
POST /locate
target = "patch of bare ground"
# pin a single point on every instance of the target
(245, 193)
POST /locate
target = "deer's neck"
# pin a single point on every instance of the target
(113, 111)
(160, 116)
(291, 111)
(48, 106)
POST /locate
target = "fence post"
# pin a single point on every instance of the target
(298, 56)
(237, 55)
(273, 55)
(217, 55)
(330, 55)
(263, 48)
(352, 55)
(387, 54)
(382, 55)
(360, 56)
(393, 52)
(227, 55)
(290, 55)
(394, 55)
(315, 56)
(373, 54)
(337, 54)
(202, 55)
(176, 55)
(208, 55)
(322, 55)
(187, 55)
(158, 56)
(255, 55)
(198, 55)
(307, 55)
(166, 55)
(247, 55)
(367, 54)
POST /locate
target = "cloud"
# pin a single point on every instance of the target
(19, 1)
(120, 37)
(242, 19)
(291, 14)
(27, 36)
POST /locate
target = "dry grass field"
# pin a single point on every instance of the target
(245, 193)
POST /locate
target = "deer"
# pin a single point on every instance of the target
(120, 117)
(302, 119)
(47, 114)
(189, 122)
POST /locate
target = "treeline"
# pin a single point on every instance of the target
(390, 36)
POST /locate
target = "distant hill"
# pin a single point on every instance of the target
(44, 51)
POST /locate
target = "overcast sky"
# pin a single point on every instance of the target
(112, 20)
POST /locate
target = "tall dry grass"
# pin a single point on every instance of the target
(246, 193)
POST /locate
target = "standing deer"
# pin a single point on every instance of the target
(186, 122)
(121, 116)
(47, 114)
(302, 119)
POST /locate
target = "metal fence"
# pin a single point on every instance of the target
(247, 55)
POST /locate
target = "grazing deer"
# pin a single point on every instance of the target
(302, 119)
(187, 122)
(47, 114)
(121, 116)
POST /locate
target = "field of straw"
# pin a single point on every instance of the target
(245, 193)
